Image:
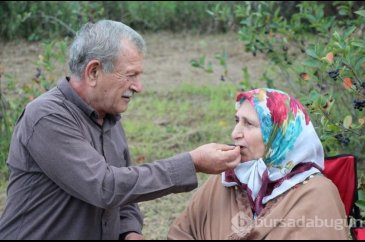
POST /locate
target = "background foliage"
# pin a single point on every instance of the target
(14, 95)
(316, 52)
(30, 19)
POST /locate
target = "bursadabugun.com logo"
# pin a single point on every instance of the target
(241, 221)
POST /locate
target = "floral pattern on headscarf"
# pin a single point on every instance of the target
(293, 150)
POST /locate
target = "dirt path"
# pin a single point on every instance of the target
(167, 63)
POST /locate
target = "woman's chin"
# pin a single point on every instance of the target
(244, 159)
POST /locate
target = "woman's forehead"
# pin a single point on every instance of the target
(246, 110)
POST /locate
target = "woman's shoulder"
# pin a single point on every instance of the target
(316, 194)
(319, 183)
(316, 188)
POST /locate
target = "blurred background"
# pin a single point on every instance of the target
(199, 54)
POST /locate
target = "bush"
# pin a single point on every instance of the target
(35, 20)
(39, 20)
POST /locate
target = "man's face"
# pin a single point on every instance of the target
(115, 90)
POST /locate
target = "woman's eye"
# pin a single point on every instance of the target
(246, 123)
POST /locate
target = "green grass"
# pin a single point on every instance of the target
(160, 213)
(2, 195)
(161, 124)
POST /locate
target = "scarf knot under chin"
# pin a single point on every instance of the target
(257, 184)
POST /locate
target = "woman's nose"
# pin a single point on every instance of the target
(237, 133)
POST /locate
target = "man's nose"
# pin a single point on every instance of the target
(137, 86)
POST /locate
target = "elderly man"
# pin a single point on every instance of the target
(70, 173)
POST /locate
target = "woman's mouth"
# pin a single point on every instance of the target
(243, 149)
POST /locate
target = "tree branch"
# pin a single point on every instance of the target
(56, 20)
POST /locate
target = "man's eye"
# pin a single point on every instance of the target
(132, 77)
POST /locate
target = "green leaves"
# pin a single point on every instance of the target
(201, 63)
(349, 31)
(347, 122)
(198, 62)
(312, 53)
(358, 43)
(312, 63)
(361, 13)
(361, 202)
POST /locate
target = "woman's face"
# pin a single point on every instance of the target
(247, 133)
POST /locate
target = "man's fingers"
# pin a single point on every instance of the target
(215, 158)
(234, 163)
(232, 158)
(231, 154)
(224, 147)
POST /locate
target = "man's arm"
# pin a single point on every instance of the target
(63, 154)
(131, 221)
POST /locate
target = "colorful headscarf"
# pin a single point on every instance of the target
(293, 151)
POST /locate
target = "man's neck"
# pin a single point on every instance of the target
(80, 88)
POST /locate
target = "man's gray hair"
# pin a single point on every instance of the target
(101, 41)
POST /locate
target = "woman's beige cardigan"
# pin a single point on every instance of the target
(311, 210)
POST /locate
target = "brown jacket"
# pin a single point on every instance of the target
(311, 210)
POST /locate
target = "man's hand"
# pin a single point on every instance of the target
(134, 236)
(215, 158)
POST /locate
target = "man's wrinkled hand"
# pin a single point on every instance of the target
(215, 158)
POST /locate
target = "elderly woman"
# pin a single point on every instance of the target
(278, 191)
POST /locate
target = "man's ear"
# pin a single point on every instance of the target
(92, 72)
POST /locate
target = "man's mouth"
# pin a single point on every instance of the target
(128, 95)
